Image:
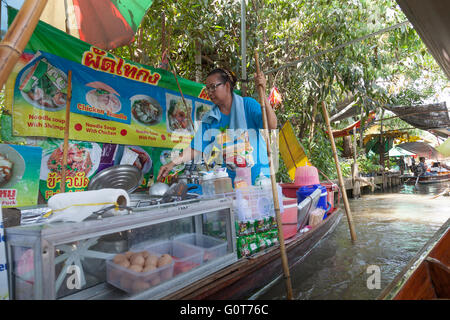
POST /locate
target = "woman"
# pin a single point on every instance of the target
(233, 113)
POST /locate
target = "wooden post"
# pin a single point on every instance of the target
(62, 184)
(381, 151)
(355, 171)
(18, 35)
(339, 172)
(284, 260)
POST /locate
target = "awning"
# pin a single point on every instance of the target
(398, 152)
(425, 117)
(430, 20)
(422, 149)
(349, 130)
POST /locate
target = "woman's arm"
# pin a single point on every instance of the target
(187, 155)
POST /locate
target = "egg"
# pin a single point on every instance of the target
(151, 260)
(164, 259)
(135, 268)
(124, 263)
(137, 259)
(149, 268)
(118, 258)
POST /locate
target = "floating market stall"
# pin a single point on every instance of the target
(101, 127)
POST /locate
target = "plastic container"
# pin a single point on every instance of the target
(306, 176)
(134, 282)
(254, 203)
(331, 188)
(208, 185)
(222, 183)
(305, 191)
(289, 218)
(244, 173)
(289, 190)
(186, 257)
(213, 247)
(263, 181)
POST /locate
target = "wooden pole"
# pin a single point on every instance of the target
(18, 35)
(62, 184)
(284, 260)
(339, 172)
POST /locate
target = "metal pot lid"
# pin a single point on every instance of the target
(122, 176)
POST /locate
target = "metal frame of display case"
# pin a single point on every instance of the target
(55, 234)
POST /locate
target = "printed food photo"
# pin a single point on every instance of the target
(44, 86)
(103, 97)
(178, 116)
(146, 110)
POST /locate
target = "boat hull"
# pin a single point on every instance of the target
(427, 275)
(249, 275)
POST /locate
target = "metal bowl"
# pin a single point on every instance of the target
(123, 176)
(158, 189)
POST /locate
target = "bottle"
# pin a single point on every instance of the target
(208, 187)
(222, 183)
(244, 173)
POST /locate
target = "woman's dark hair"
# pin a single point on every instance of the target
(225, 76)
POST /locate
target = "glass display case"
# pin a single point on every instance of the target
(81, 260)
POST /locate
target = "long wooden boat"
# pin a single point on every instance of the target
(249, 275)
(441, 177)
(427, 275)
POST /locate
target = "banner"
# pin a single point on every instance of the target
(114, 100)
(4, 291)
(19, 175)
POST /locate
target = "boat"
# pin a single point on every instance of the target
(427, 275)
(437, 178)
(249, 276)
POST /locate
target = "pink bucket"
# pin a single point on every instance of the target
(306, 176)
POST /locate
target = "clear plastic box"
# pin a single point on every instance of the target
(254, 203)
(213, 247)
(134, 282)
(186, 256)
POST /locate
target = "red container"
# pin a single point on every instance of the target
(289, 190)
(289, 218)
(331, 188)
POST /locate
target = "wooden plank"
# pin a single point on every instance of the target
(418, 287)
(440, 277)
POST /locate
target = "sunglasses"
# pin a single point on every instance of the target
(213, 87)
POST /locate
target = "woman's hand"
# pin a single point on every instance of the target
(260, 80)
(165, 170)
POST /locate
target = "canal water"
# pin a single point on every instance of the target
(391, 227)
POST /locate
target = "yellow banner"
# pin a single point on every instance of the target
(291, 150)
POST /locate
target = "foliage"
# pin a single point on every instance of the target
(391, 68)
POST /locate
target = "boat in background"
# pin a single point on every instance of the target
(438, 178)
(427, 275)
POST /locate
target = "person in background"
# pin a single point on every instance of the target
(230, 112)
(422, 167)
